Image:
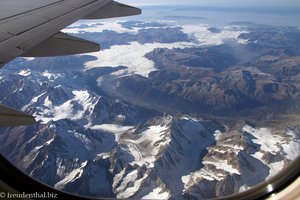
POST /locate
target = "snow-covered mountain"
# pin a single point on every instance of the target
(92, 143)
(95, 145)
(163, 157)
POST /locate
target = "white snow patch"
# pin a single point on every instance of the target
(112, 128)
(75, 174)
(132, 190)
(120, 118)
(219, 150)
(258, 155)
(68, 110)
(28, 58)
(218, 134)
(131, 179)
(265, 138)
(205, 37)
(155, 138)
(100, 26)
(34, 100)
(157, 193)
(243, 188)
(47, 102)
(136, 153)
(292, 149)
(28, 159)
(194, 177)
(275, 168)
(49, 142)
(103, 155)
(223, 165)
(51, 76)
(84, 99)
(64, 111)
(274, 143)
(119, 177)
(237, 148)
(25, 73)
(117, 130)
(131, 56)
(83, 138)
(153, 133)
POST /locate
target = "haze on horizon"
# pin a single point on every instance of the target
(285, 3)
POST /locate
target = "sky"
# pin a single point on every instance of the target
(215, 2)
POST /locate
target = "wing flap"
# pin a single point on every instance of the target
(11, 8)
(11, 117)
(61, 9)
(62, 44)
(114, 9)
(4, 36)
(22, 24)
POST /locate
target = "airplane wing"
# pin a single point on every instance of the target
(32, 28)
(11, 117)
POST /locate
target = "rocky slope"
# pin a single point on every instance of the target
(202, 91)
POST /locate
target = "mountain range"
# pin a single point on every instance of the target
(211, 118)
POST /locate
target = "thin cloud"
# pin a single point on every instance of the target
(132, 55)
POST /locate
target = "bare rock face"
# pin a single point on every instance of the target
(214, 58)
(226, 93)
